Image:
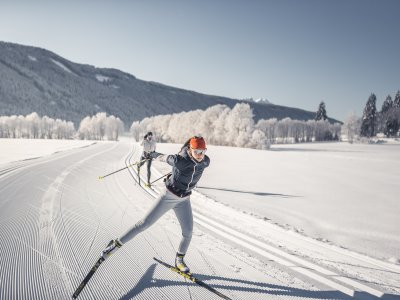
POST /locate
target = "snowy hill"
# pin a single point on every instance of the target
(281, 224)
(37, 80)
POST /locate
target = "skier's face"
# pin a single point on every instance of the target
(149, 137)
(198, 154)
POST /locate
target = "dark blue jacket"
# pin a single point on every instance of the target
(186, 172)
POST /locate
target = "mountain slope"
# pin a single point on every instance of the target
(34, 79)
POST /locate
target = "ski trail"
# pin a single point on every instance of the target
(329, 278)
(55, 275)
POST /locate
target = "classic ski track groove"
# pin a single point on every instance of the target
(26, 163)
(58, 182)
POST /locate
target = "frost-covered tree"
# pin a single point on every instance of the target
(208, 121)
(135, 130)
(96, 127)
(218, 135)
(47, 128)
(368, 124)
(33, 126)
(258, 140)
(239, 125)
(113, 127)
(323, 131)
(351, 127)
(296, 131)
(33, 120)
(100, 125)
(282, 129)
(321, 113)
(219, 125)
(268, 127)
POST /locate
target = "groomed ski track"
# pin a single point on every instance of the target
(57, 216)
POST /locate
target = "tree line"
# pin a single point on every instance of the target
(219, 124)
(224, 126)
(372, 122)
(33, 126)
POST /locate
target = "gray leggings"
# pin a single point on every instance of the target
(166, 201)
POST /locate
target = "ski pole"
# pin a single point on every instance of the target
(101, 177)
(160, 178)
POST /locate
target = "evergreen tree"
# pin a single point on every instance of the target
(391, 126)
(321, 113)
(387, 105)
(384, 114)
(392, 122)
(368, 125)
(396, 102)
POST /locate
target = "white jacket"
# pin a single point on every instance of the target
(148, 146)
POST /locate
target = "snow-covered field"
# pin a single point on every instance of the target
(318, 221)
(347, 194)
(22, 149)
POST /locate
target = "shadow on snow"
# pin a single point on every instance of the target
(247, 192)
(148, 281)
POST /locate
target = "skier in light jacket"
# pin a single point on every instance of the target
(187, 168)
(149, 146)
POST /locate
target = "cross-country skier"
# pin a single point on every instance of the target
(187, 169)
(149, 146)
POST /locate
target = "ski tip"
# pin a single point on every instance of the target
(100, 177)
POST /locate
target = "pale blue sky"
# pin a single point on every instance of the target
(294, 53)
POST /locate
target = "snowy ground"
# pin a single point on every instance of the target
(313, 221)
(22, 149)
(344, 193)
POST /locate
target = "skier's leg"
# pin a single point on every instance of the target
(141, 162)
(183, 212)
(139, 165)
(165, 201)
(149, 171)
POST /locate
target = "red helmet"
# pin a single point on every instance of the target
(197, 143)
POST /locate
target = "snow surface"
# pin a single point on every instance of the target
(62, 66)
(102, 78)
(22, 149)
(312, 221)
(347, 194)
(32, 58)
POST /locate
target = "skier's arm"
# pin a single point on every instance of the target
(170, 159)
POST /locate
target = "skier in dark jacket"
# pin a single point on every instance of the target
(187, 169)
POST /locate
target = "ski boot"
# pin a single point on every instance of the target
(180, 264)
(112, 246)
